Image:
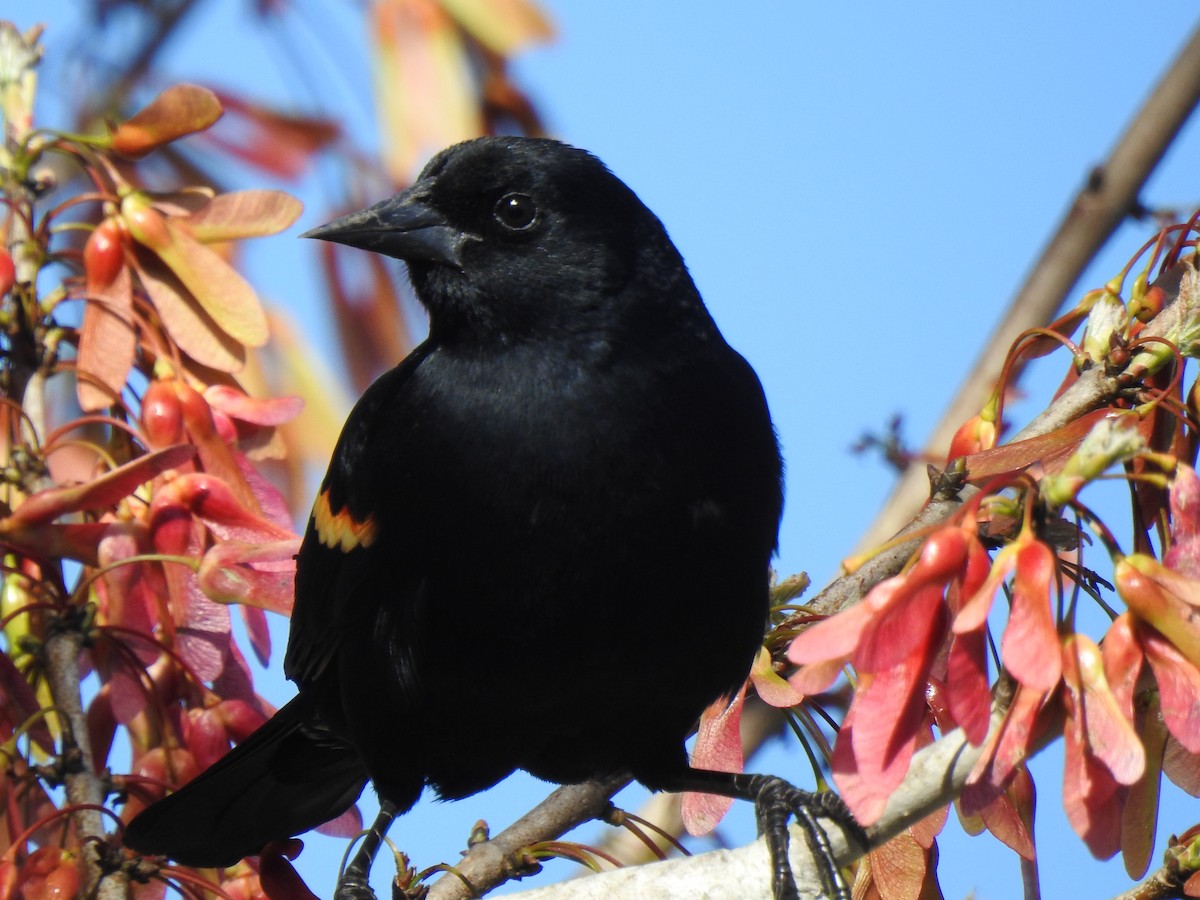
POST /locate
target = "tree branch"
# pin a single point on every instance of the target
(937, 775)
(1109, 194)
(495, 861)
(83, 786)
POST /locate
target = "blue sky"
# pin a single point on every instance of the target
(858, 189)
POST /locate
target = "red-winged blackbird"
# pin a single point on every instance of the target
(544, 537)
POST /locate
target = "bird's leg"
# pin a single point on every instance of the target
(354, 883)
(775, 801)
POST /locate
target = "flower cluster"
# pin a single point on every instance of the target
(919, 646)
(135, 519)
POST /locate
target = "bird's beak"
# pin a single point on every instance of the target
(404, 227)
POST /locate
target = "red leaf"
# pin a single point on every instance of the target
(816, 677)
(216, 456)
(259, 575)
(899, 867)
(280, 144)
(126, 695)
(770, 685)
(943, 558)
(1109, 734)
(718, 747)
(1030, 647)
(202, 636)
(279, 880)
(1139, 818)
(889, 710)
(47, 542)
(1165, 599)
(1090, 797)
(256, 410)
(213, 501)
(101, 725)
(967, 689)
(347, 825)
(1182, 767)
(126, 599)
(1178, 686)
(1122, 661)
(204, 735)
(19, 704)
(1184, 553)
(101, 492)
(239, 718)
(258, 630)
(975, 606)
(236, 682)
(1009, 817)
(242, 214)
(835, 638)
(1050, 450)
(867, 790)
(925, 832)
(890, 639)
(1010, 745)
(204, 642)
(178, 111)
(190, 326)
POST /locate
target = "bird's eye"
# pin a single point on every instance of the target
(516, 212)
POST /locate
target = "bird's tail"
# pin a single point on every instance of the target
(287, 777)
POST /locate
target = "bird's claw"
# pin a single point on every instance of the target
(776, 802)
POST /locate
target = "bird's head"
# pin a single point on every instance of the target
(523, 236)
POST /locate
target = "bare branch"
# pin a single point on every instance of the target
(1163, 884)
(83, 786)
(495, 861)
(1109, 194)
(937, 775)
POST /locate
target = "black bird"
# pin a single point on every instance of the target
(543, 540)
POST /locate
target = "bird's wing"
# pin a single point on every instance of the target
(338, 565)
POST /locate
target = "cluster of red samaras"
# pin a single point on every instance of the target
(920, 645)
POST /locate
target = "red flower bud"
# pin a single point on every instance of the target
(8, 272)
(145, 223)
(104, 255)
(162, 415)
(50, 873)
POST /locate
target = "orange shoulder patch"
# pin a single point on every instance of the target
(340, 530)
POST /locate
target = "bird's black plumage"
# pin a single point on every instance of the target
(543, 539)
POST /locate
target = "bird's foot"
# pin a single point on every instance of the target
(354, 882)
(353, 886)
(775, 802)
